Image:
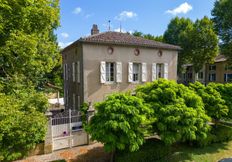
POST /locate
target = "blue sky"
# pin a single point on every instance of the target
(147, 16)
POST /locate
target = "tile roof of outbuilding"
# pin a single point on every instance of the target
(119, 38)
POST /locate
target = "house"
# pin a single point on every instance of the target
(220, 71)
(108, 62)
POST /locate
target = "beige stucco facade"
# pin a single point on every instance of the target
(90, 55)
(93, 54)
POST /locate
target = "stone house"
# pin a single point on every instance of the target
(220, 71)
(108, 62)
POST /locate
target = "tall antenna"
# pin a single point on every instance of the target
(109, 24)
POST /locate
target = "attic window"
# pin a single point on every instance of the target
(110, 50)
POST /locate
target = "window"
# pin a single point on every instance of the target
(228, 77)
(200, 75)
(160, 70)
(212, 67)
(228, 67)
(136, 72)
(110, 72)
(212, 77)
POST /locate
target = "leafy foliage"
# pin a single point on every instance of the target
(148, 36)
(222, 18)
(27, 44)
(225, 91)
(198, 41)
(22, 126)
(118, 122)
(179, 111)
(215, 106)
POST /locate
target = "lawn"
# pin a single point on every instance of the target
(177, 153)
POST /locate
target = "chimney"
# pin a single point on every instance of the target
(94, 29)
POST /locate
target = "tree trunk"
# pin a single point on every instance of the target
(112, 156)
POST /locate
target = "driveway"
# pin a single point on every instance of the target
(88, 153)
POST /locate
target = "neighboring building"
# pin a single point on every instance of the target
(109, 62)
(220, 72)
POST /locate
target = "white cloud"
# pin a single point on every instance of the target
(77, 10)
(122, 30)
(89, 15)
(63, 44)
(124, 15)
(183, 8)
(64, 35)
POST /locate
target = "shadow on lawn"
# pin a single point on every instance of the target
(183, 152)
(94, 155)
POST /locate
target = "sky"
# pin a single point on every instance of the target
(147, 16)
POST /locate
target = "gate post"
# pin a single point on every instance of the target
(90, 114)
(48, 143)
(70, 127)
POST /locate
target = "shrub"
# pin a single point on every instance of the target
(179, 111)
(119, 122)
(152, 150)
(215, 106)
(225, 91)
(20, 130)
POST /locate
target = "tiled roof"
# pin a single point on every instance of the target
(125, 39)
(220, 58)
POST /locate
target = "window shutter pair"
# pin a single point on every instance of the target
(118, 72)
(130, 72)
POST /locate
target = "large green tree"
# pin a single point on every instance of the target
(198, 41)
(27, 44)
(177, 34)
(179, 112)
(148, 36)
(222, 18)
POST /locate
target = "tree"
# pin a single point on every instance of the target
(222, 18)
(198, 41)
(177, 34)
(118, 123)
(203, 43)
(178, 110)
(22, 126)
(148, 36)
(27, 44)
(215, 106)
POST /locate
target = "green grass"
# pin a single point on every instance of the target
(178, 153)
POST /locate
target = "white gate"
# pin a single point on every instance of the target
(67, 131)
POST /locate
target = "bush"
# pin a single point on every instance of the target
(119, 122)
(219, 133)
(20, 130)
(225, 91)
(179, 111)
(215, 106)
(152, 150)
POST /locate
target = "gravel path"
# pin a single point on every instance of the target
(89, 153)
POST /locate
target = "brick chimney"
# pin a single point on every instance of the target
(94, 29)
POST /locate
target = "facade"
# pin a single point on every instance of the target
(109, 62)
(220, 72)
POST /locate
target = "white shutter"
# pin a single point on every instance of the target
(74, 101)
(118, 72)
(73, 72)
(103, 72)
(78, 72)
(130, 72)
(66, 72)
(144, 72)
(78, 102)
(165, 70)
(196, 76)
(154, 72)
